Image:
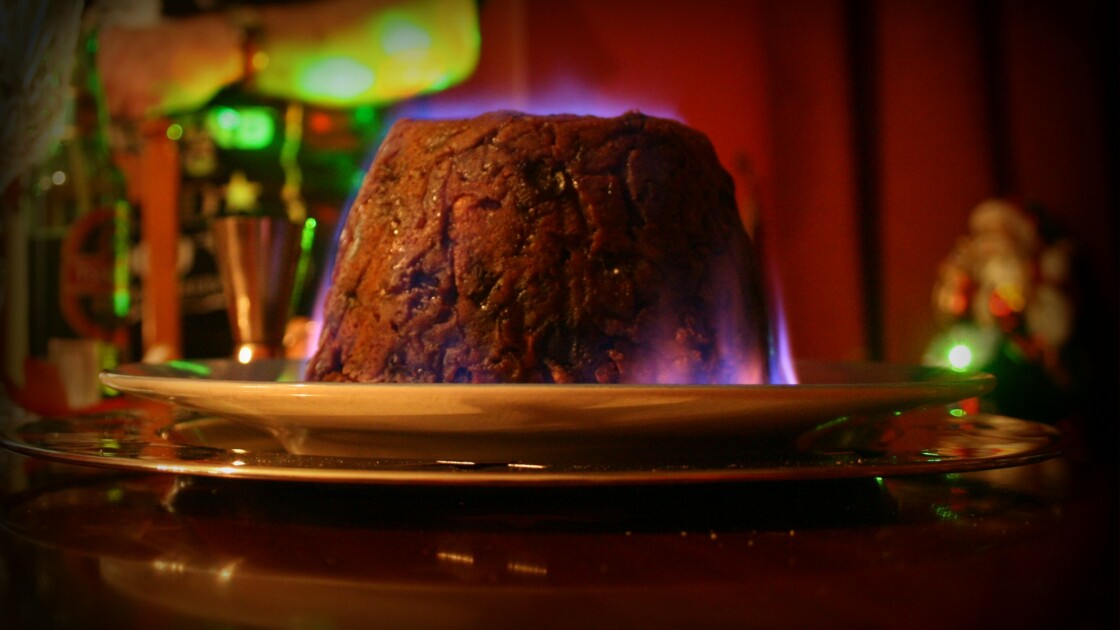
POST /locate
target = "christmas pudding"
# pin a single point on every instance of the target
(514, 248)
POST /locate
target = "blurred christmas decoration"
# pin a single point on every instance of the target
(216, 108)
(68, 308)
(401, 50)
(289, 132)
(1006, 301)
(244, 154)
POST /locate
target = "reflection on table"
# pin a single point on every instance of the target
(1026, 546)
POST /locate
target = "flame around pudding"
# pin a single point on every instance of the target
(515, 248)
(779, 362)
(782, 369)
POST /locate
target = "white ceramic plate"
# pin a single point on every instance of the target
(550, 424)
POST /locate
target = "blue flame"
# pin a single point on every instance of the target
(562, 96)
(782, 370)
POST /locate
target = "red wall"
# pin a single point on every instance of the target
(773, 84)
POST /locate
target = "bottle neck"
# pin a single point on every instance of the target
(85, 145)
(89, 116)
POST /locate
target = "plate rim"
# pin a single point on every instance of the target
(121, 375)
(300, 412)
(322, 470)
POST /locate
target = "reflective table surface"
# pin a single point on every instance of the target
(1023, 546)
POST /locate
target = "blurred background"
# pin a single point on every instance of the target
(930, 181)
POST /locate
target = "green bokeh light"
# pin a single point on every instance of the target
(245, 128)
(407, 49)
(365, 115)
(335, 78)
(190, 367)
(122, 295)
(227, 118)
(306, 243)
(960, 357)
(400, 33)
(356, 179)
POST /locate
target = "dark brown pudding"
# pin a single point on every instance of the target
(515, 248)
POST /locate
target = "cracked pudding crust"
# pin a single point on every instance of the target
(570, 249)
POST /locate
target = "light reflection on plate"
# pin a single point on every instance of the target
(920, 442)
(551, 424)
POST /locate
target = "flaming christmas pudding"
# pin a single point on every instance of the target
(512, 248)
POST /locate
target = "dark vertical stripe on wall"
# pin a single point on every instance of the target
(859, 19)
(990, 20)
(1106, 363)
(1109, 72)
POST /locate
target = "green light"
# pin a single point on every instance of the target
(365, 115)
(306, 242)
(335, 78)
(121, 304)
(946, 513)
(247, 128)
(958, 413)
(256, 130)
(960, 357)
(307, 238)
(413, 48)
(174, 131)
(416, 47)
(356, 179)
(189, 367)
(122, 296)
(401, 34)
(227, 118)
(442, 81)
